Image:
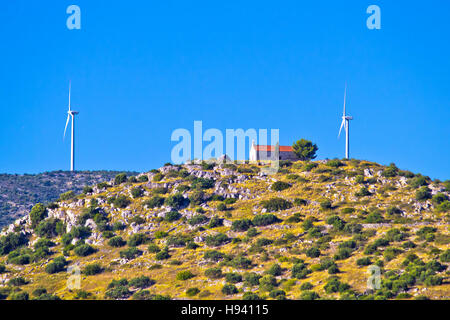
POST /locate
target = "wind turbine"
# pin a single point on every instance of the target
(345, 123)
(72, 114)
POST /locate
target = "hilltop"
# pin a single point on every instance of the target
(229, 231)
(18, 193)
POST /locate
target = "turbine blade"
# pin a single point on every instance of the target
(70, 85)
(345, 96)
(67, 122)
(342, 124)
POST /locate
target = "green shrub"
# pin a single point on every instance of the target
(117, 226)
(309, 295)
(395, 235)
(67, 195)
(336, 222)
(230, 201)
(347, 210)
(300, 202)
(445, 256)
(120, 178)
(334, 285)
(153, 248)
(143, 178)
(308, 223)
(295, 218)
(251, 279)
(251, 296)
(137, 192)
(280, 186)
(103, 185)
(359, 179)
(20, 295)
(424, 193)
(130, 253)
(418, 181)
(374, 217)
(83, 250)
(299, 270)
(276, 204)
(93, 269)
(215, 222)
(49, 228)
(265, 219)
(192, 292)
(222, 207)
(363, 192)
(213, 273)
(160, 234)
(137, 239)
(334, 163)
(202, 183)
(363, 261)
(154, 202)
(309, 166)
(241, 225)
(163, 254)
(216, 240)
(443, 206)
(390, 172)
(306, 286)
(17, 282)
(37, 214)
(313, 252)
(172, 216)
(178, 240)
(121, 201)
(19, 258)
(233, 277)
(433, 280)
(214, 255)
(267, 283)
(58, 265)
(141, 282)
(185, 275)
(241, 262)
(343, 253)
(392, 210)
(275, 270)
(175, 201)
(229, 289)
(118, 289)
(325, 204)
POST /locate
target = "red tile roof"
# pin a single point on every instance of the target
(272, 148)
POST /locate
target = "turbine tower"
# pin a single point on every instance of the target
(72, 114)
(345, 122)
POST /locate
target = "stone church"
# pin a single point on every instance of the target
(265, 152)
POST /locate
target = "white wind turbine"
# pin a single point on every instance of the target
(345, 122)
(72, 114)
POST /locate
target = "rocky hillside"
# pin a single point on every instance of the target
(18, 193)
(314, 230)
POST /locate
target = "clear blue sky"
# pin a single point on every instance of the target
(141, 69)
